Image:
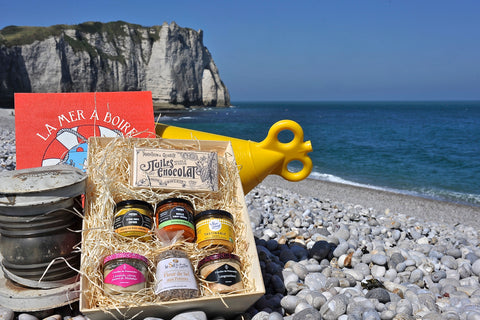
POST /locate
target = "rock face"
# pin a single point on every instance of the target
(167, 60)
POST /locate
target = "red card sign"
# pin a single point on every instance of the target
(53, 128)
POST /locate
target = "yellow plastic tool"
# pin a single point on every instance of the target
(257, 160)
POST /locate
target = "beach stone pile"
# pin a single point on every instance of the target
(7, 150)
(326, 260)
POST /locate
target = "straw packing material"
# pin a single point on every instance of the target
(109, 173)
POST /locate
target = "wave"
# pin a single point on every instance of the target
(452, 196)
(336, 179)
(428, 193)
(174, 118)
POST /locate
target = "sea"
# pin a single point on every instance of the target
(429, 149)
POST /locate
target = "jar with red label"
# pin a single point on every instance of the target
(125, 272)
(174, 216)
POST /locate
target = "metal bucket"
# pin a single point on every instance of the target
(40, 224)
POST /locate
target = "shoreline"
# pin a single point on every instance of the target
(430, 210)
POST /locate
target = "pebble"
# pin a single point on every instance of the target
(378, 271)
(454, 253)
(262, 315)
(316, 281)
(449, 262)
(379, 259)
(476, 267)
(321, 250)
(290, 302)
(315, 299)
(415, 276)
(401, 267)
(273, 316)
(6, 313)
(300, 270)
(326, 260)
(192, 315)
(340, 249)
(395, 259)
(309, 313)
(25, 316)
(379, 294)
(438, 275)
(334, 307)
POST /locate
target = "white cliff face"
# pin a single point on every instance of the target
(160, 72)
(209, 89)
(45, 69)
(169, 61)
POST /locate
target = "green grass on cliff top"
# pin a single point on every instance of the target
(21, 35)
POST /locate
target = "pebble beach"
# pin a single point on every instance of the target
(334, 251)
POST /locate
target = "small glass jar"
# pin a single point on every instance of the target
(124, 272)
(133, 218)
(175, 279)
(215, 230)
(174, 216)
(222, 271)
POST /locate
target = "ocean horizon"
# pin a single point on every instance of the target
(422, 148)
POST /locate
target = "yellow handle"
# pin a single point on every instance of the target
(257, 160)
(295, 150)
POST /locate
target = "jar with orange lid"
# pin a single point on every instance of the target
(174, 216)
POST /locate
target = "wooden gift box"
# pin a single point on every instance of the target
(109, 167)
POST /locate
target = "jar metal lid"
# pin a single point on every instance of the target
(170, 200)
(133, 202)
(218, 256)
(206, 213)
(125, 255)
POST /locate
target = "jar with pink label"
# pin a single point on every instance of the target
(124, 272)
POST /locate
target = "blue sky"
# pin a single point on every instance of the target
(309, 50)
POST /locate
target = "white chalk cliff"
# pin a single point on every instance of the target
(168, 60)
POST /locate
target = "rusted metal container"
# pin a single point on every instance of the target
(40, 225)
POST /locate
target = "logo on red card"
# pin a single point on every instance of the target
(53, 128)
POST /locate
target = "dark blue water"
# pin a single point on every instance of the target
(430, 149)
